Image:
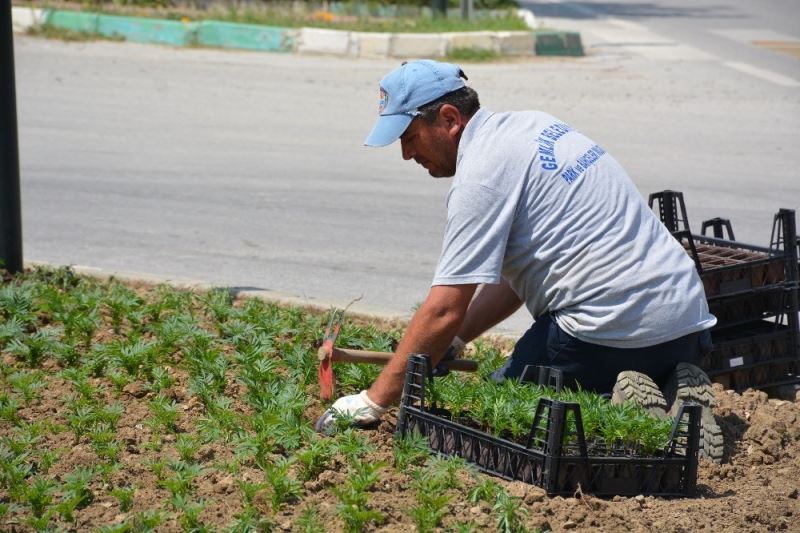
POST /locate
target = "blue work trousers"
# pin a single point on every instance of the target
(592, 366)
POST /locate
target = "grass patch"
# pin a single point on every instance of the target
(350, 16)
(48, 31)
(472, 55)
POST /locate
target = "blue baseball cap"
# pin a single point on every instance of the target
(407, 88)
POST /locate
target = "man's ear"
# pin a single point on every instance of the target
(451, 119)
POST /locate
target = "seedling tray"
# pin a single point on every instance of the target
(759, 354)
(555, 456)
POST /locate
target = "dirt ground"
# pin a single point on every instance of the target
(755, 489)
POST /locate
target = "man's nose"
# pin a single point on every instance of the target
(408, 153)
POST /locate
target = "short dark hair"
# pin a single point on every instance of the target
(464, 99)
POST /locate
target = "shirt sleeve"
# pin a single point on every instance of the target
(478, 225)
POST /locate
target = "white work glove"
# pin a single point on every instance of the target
(453, 352)
(358, 406)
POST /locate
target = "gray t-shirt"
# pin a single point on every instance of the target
(541, 205)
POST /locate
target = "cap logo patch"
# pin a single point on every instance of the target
(383, 101)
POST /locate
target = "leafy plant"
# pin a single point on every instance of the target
(410, 450)
(165, 413)
(352, 496)
(124, 496)
(283, 487)
(510, 513)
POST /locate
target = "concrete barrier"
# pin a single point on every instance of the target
(516, 43)
(73, 20)
(245, 36)
(144, 30)
(476, 40)
(23, 18)
(302, 40)
(322, 41)
(414, 45)
(370, 45)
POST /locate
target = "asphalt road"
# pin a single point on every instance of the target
(247, 170)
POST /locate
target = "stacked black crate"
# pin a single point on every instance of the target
(753, 292)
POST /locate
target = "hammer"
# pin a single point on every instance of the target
(327, 354)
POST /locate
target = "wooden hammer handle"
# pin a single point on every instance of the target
(346, 355)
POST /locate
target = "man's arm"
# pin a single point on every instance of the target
(492, 305)
(431, 330)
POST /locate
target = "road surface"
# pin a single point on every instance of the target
(247, 169)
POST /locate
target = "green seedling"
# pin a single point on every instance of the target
(165, 414)
(120, 380)
(219, 303)
(32, 349)
(352, 444)
(11, 330)
(39, 495)
(190, 514)
(249, 521)
(250, 490)
(26, 384)
(147, 521)
(309, 521)
(124, 496)
(104, 443)
(411, 450)
(283, 487)
(76, 486)
(179, 483)
(187, 447)
(431, 508)
(313, 459)
(9, 408)
(16, 304)
(159, 380)
(352, 496)
(81, 420)
(510, 513)
(121, 303)
(486, 490)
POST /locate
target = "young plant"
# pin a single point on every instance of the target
(313, 459)
(352, 496)
(411, 450)
(187, 447)
(39, 495)
(165, 413)
(309, 521)
(32, 349)
(124, 496)
(510, 513)
(284, 488)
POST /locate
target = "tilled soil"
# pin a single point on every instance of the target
(755, 489)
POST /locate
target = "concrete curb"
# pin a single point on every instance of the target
(302, 40)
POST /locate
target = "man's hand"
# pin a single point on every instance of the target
(357, 409)
(453, 352)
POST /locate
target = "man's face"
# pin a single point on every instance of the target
(432, 145)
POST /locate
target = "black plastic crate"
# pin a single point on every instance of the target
(729, 267)
(760, 355)
(555, 456)
(750, 307)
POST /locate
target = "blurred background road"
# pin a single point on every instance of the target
(248, 170)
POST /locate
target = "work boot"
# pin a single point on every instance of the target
(688, 383)
(640, 389)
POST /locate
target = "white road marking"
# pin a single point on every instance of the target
(762, 73)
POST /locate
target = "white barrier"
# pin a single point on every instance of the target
(23, 18)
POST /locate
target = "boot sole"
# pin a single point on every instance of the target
(639, 388)
(688, 383)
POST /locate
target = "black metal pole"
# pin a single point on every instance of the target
(10, 209)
